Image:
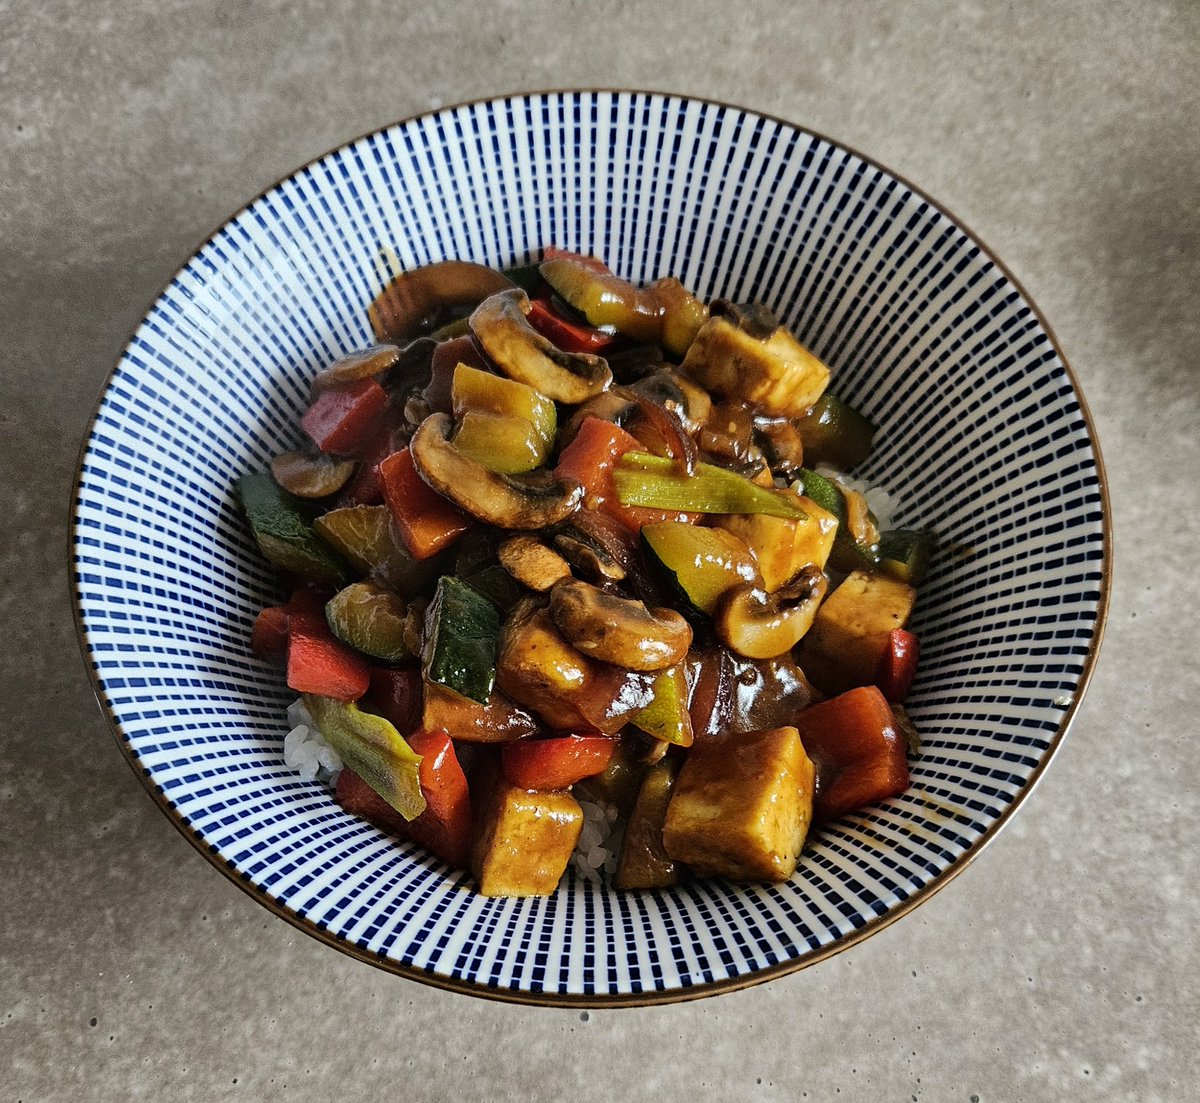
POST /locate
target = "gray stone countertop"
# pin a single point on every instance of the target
(1063, 964)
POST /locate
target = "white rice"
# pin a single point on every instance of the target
(305, 751)
(882, 503)
(595, 857)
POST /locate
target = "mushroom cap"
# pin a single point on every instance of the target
(532, 501)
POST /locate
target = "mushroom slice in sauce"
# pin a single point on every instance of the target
(523, 354)
(521, 502)
(762, 625)
(413, 298)
(311, 476)
(365, 364)
(618, 630)
(531, 563)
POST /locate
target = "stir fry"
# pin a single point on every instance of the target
(559, 542)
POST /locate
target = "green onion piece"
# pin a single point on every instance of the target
(656, 481)
(373, 749)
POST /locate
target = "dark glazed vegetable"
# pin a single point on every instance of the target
(415, 299)
(509, 502)
(618, 630)
(523, 354)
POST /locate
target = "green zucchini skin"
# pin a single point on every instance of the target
(462, 637)
(836, 433)
(700, 563)
(847, 554)
(905, 553)
(282, 527)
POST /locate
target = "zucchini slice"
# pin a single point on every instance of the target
(701, 563)
(462, 634)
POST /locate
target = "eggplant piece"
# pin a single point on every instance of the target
(644, 862)
(498, 720)
(540, 670)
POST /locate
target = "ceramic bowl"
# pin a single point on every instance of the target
(983, 435)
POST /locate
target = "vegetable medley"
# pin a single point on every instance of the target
(561, 537)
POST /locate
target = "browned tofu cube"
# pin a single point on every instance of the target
(523, 840)
(782, 545)
(849, 634)
(777, 374)
(742, 806)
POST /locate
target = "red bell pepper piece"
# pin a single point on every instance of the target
(858, 751)
(269, 637)
(427, 522)
(445, 826)
(396, 695)
(341, 420)
(898, 664)
(591, 457)
(555, 763)
(567, 335)
(318, 662)
(365, 488)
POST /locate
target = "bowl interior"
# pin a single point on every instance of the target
(983, 437)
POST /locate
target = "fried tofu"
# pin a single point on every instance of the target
(777, 374)
(783, 545)
(523, 839)
(849, 634)
(742, 806)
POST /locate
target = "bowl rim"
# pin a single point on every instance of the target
(627, 999)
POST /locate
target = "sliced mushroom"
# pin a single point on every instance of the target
(531, 501)
(523, 354)
(531, 563)
(414, 298)
(593, 563)
(782, 444)
(618, 630)
(762, 625)
(598, 548)
(309, 475)
(691, 404)
(364, 364)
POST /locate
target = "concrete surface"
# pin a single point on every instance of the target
(1062, 965)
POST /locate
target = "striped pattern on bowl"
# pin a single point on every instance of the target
(984, 436)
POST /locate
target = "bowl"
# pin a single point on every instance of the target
(983, 435)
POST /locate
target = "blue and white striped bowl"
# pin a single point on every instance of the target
(984, 436)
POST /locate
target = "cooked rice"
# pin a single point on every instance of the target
(595, 857)
(882, 503)
(305, 751)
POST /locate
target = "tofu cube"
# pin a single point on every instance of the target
(742, 806)
(777, 374)
(782, 545)
(849, 634)
(523, 840)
